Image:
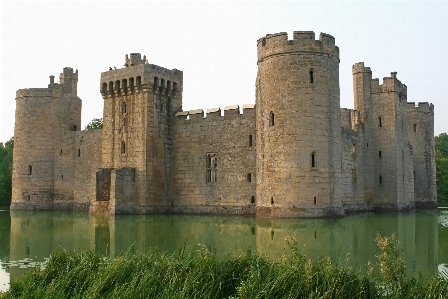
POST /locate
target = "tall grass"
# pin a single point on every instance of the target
(200, 274)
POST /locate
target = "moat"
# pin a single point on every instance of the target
(27, 237)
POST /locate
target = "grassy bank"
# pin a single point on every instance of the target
(199, 274)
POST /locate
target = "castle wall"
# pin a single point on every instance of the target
(421, 137)
(214, 170)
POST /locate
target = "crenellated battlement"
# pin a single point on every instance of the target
(140, 76)
(230, 112)
(360, 68)
(423, 107)
(302, 42)
(390, 84)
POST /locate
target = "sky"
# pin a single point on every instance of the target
(214, 44)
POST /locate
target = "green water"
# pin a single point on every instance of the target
(28, 237)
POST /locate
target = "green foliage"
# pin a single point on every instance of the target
(96, 123)
(200, 274)
(442, 166)
(6, 171)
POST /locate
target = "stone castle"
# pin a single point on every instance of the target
(294, 153)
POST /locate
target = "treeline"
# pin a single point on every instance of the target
(6, 171)
(6, 165)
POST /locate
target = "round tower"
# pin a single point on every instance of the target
(298, 126)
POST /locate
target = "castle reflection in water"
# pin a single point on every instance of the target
(37, 235)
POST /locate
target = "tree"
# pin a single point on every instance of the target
(6, 171)
(96, 123)
(442, 166)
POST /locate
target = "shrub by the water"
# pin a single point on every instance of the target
(200, 274)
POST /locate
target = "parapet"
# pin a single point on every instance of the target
(422, 107)
(230, 112)
(138, 76)
(360, 68)
(303, 42)
(390, 84)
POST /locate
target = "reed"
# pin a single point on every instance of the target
(200, 274)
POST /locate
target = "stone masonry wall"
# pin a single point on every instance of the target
(214, 169)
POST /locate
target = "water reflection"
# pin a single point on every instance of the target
(33, 236)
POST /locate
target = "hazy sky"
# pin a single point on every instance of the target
(214, 44)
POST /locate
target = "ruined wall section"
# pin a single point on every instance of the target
(352, 178)
(298, 126)
(140, 101)
(214, 170)
(421, 136)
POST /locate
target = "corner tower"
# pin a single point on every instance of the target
(298, 126)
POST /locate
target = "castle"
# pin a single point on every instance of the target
(295, 153)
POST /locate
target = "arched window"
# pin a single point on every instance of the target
(139, 83)
(117, 87)
(104, 88)
(380, 122)
(30, 170)
(111, 88)
(124, 84)
(131, 85)
(271, 119)
(311, 76)
(123, 147)
(313, 160)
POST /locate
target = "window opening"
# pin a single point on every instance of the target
(62, 176)
(272, 200)
(381, 180)
(311, 76)
(272, 235)
(30, 170)
(249, 177)
(131, 85)
(380, 122)
(314, 199)
(212, 164)
(117, 87)
(367, 144)
(271, 119)
(313, 160)
(123, 107)
(252, 199)
(353, 148)
(125, 86)
(104, 88)
(415, 128)
(29, 197)
(111, 88)
(250, 140)
(79, 152)
(75, 128)
(139, 83)
(123, 147)
(61, 150)
(379, 154)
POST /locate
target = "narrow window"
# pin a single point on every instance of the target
(311, 76)
(123, 147)
(117, 87)
(75, 128)
(123, 107)
(125, 86)
(212, 164)
(124, 122)
(313, 159)
(252, 199)
(379, 154)
(79, 152)
(402, 124)
(414, 176)
(250, 140)
(131, 85)
(62, 176)
(353, 175)
(249, 177)
(30, 170)
(353, 148)
(380, 122)
(367, 144)
(381, 180)
(272, 200)
(415, 128)
(272, 235)
(271, 119)
(139, 83)
(29, 197)
(315, 200)
(61, 150)
(111, 88)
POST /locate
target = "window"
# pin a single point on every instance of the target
(249, 177)
(311, 76)
(380, 122)
(353, 148)
(313, 160)
(75, 128)
(250, 140)
(271, 119)
(315, 200)
(30, 170)
(379, 154)
(123, 147)
(415, 128)
(252, 199)
(212, 164)
(381, 180)
(79, 152)
(123, 107)
(272, 200)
